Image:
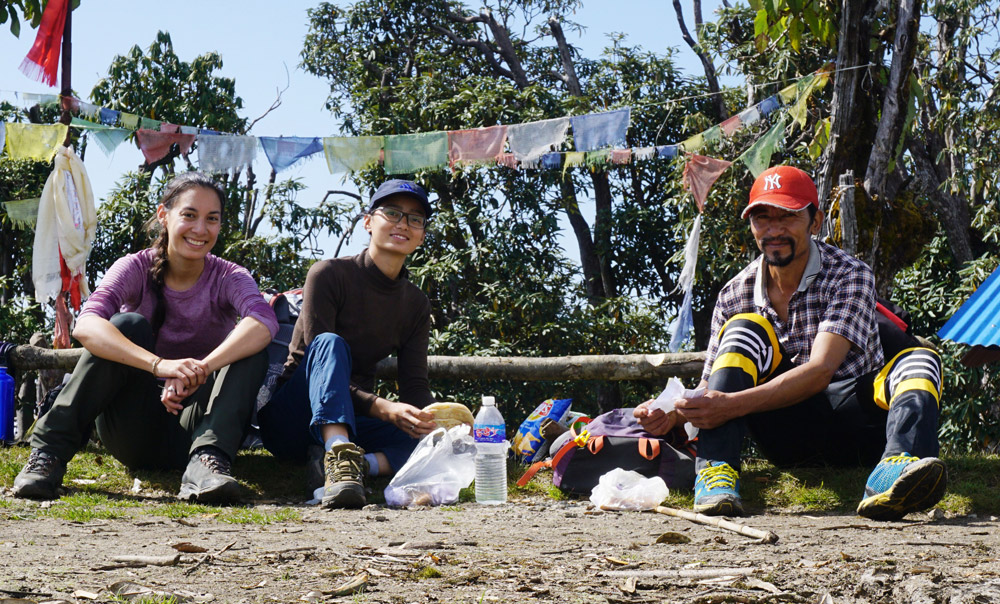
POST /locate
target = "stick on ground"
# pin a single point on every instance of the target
(764, 536)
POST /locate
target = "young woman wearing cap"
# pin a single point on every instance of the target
(168, 374)
(356, 311)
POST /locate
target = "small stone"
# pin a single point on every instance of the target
(935, 514)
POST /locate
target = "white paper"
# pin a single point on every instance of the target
(675, 390)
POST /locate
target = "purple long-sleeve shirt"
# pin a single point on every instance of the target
(198, 319)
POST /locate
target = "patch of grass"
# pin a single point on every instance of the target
(84, 507)
(149, 599)
(973, 482)
(183, 509)
(428, 572)
(249, 515)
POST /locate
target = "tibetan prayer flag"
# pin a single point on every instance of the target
(507, 160)
(713, 134)
(700, 173)
(798, 110)
(410, 153)
(106, 137)
(666, 151)
(168, 127)
(69, 103)
(223, 153)
(209, 132)
(38, 142)
(694, 143)
(731, 125)
(552, 161)
(351, 153)
(478, 145)
(643, 153)
(758, 157)
(146, 123)
(42, 62)
(285, 151)
(90, 111)
(621, 156)
(680, 328)
(596, 130)
(22, 213)
(109, 117)
(768, 105)
(129, 120)
(529, 142)
(595, 159)
(155, 145)
(573, 158)
(190, 130)
(749, 116)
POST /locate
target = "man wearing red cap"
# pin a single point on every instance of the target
(796, 361)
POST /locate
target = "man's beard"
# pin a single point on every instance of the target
(777, 260)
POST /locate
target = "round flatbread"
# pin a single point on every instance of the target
(448, 415)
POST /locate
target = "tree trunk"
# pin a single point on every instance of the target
(952, 210)
(706, 61)
(894, 105)
(602, 230)
(588, 256)
(844, 150)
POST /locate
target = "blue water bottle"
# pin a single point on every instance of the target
(6, 406)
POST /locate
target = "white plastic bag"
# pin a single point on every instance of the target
(442, 465)
(628, 490)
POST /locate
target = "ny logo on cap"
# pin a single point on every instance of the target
(772, 181)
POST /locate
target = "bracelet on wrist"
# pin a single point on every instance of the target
(156, 362)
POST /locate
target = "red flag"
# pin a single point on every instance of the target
(42, 62)
(700, 173)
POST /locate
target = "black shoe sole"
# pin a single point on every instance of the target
(919, 487)
(226, 492)
(724, 507)
(349, 495)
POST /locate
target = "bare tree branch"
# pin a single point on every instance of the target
(706, 61)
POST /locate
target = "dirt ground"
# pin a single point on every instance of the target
(531, 549)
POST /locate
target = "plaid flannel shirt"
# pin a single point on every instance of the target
(836, 294)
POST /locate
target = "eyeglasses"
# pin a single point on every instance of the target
(416, 221)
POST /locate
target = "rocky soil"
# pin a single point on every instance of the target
(532, 549)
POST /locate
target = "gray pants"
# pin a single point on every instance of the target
(132, 422)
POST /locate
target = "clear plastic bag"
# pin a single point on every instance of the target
(443, 464)
(628, 490)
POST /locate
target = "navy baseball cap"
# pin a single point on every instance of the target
(397, 186)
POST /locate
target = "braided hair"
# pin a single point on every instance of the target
(161, 263)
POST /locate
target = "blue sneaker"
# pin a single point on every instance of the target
(901, 484)
(717, 490)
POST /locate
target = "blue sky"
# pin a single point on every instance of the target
(260, 44)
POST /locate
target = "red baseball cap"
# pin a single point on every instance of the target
(783, 187)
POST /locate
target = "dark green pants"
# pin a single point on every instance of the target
(132, 422)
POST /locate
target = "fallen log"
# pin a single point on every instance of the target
(720, 522)
(613, 367)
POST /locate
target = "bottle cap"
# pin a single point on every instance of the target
(489, 401)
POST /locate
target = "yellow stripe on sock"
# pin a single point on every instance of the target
(734, 359)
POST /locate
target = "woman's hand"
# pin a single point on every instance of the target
(413, 421)
(191, 372)
(173, 393)
(655, 421)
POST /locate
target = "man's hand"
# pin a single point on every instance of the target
(173, 393)
(655, 421)
(711, 410)
(413, 421)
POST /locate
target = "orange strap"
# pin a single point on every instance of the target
(595, 444)
(649, 448)
(538, 465)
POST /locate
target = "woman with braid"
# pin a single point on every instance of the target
(174, 340)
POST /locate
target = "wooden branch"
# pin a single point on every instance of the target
(518, 369)
(566, 57)
(848, 218)
(706, 61)
(684, 573)
(719, 522)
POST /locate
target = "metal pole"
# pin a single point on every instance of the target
(67, 68)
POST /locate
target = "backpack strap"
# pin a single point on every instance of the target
(649, 448)
(595, 444)
(551, 463)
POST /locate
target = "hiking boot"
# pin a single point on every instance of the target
(208, 478)
(346, 468)
(901, 484)
(717, 491)
(41, 476)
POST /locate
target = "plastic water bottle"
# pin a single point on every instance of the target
(491, 454)
(6, 406)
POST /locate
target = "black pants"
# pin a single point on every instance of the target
(852, 422)
(132, 422)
